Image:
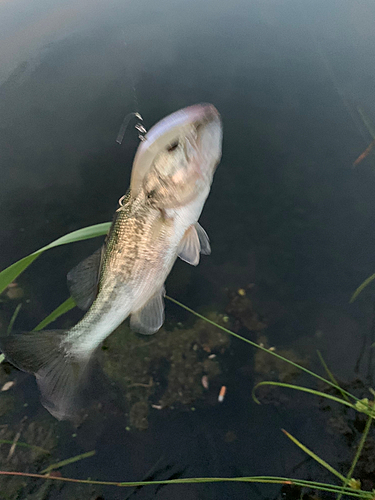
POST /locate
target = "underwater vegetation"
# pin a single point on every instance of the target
(166, 371)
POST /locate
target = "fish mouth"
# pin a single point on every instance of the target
(160, 134)
(198, 114)
(202, 119)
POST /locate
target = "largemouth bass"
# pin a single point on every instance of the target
(157, 221)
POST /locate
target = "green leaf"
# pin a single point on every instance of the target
(10, 273)
(59, 311)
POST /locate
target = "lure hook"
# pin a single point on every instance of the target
(141, 129)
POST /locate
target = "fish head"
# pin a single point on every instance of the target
(178, 157)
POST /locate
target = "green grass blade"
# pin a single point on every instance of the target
(330, 375)
(310, 391)
(85, 233)
(10, 273)
(361, 287)
(314, 456)
(68, 461)
(368, 495)
(59, 311)
(2, 357)
(24, 445)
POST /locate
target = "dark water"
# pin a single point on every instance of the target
(287, 210)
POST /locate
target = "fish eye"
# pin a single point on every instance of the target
(173, 146)
(151, 194)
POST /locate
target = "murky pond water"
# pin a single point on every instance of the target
(291, 223)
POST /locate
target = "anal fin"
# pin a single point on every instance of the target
(150, 317)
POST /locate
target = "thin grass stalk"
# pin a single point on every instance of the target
(330, 375)
(357, 455)
(302, 389)
(24, 445)
(272, 353)
(13, 318)
(68, 461)
(314, 456)
(251, 479)
(361, 287)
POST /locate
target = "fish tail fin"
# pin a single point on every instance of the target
(59, 374)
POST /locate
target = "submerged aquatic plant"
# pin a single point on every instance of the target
(350, 486)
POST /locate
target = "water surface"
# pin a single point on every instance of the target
(290, 220)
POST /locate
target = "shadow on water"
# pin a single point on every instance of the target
(290, 221)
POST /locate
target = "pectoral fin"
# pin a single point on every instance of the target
(203, 239)
(150, 318)
(194, 242)
(84, 278)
